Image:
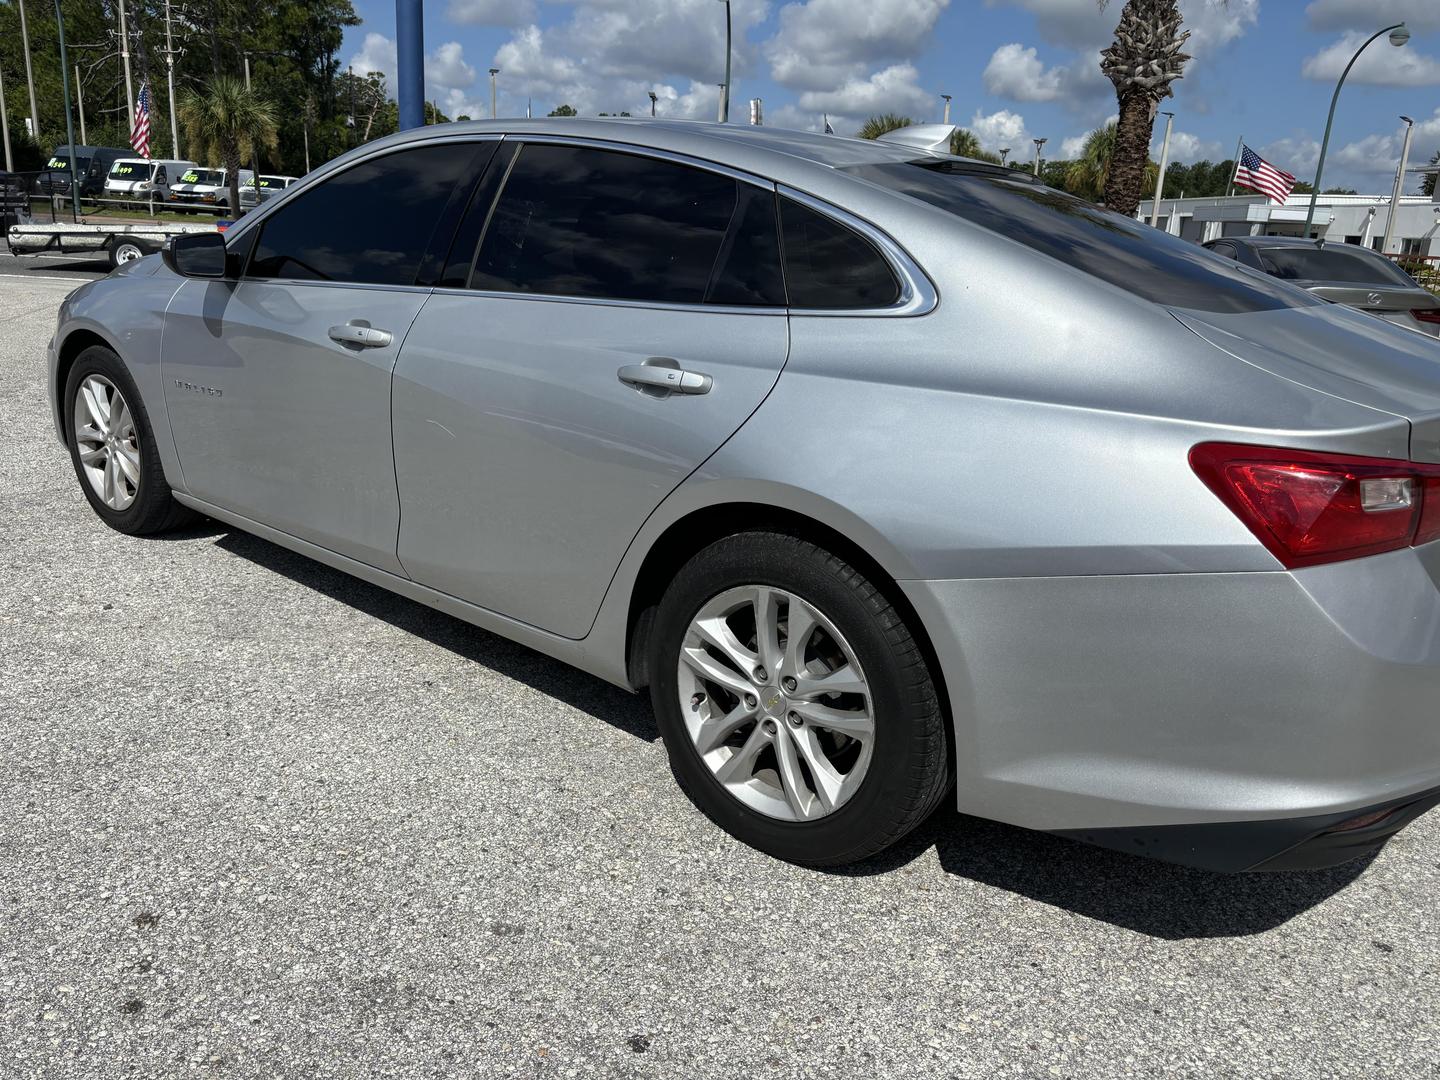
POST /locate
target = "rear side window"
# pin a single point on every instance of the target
(1122, 251)
(1330, 263)
(599, 224)
(829, 265)
(370, 224)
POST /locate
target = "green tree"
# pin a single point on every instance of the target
(964, 143)
(563, 110)
(1142, 63)
(1427, 183)
(230, 124)
(1089, 174)
(879, 125)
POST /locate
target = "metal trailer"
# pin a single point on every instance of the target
(123, 241)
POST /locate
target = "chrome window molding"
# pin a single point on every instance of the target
(650, 305)
(917, 295)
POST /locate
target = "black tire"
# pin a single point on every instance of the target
(154, 508)
(908, 773)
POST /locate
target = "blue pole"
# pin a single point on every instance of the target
(410, 52)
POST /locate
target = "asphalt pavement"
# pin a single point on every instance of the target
(74, 267)
(258, 819)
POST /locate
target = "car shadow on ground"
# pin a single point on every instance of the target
(1144, 895)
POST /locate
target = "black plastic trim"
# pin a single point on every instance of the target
(1229, 847)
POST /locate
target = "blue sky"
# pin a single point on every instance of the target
(1017, 69)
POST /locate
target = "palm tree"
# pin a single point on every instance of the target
(1088, 175)
(879, 125)
(228, 122)
(1143, 62)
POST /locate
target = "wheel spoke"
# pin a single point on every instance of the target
(717, 632)
(767, 627)
(91, 394)
(857, 725)
(120, 422)
(89, 433)
(843, 680)
(800, 628)
(129, 464)
(792, 780)
(828, 782)
(707, 667)
(110, 470)
(94, 454)
(717, 729)
(740, 765)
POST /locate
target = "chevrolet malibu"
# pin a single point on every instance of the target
(896, 478)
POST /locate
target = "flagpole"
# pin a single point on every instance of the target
(1235, 165)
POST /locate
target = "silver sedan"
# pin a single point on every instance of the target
(894, 477)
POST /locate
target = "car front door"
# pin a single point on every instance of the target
(624, 316)
(278, 385)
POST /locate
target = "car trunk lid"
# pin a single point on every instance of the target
(1371, 297)
(1336, 351)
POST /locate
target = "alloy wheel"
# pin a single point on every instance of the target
(776, 703)
(107, 442)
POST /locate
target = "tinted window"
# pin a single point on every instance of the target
(575, 221)
(1120, 250)
(828, 265)
(371, 223)
(1331, 264)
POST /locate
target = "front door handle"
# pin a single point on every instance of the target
(672, 379)
(360, 337)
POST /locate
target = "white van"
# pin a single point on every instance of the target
(141, 179)
(205, 187)
(267, 187)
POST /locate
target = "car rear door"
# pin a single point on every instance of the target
(278, 385)
(623, 317)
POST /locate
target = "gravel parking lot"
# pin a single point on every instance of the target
(259, 819)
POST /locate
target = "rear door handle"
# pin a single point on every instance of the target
(360, 337)
(675, 380)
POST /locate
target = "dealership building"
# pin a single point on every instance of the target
(1354, 219)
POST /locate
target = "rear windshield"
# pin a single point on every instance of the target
(1120, 250)
(1331, 264)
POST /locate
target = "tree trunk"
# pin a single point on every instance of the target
(232, 171)
(1132, 151)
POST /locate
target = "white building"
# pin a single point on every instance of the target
(1354, 219)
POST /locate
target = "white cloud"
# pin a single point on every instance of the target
(1073, 146)
(1420, 15)
(446, 67)
(1084, 25)
(1296, 154)
(1002, 129)
(823, 43)
(1016, 72)
(491, 12)
(1187, 147)
(1379, 65)
(377, 53)
(892, 89)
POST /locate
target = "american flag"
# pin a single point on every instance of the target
(140, 130)
(1257, 174)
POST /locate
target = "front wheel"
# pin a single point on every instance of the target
(798, 712)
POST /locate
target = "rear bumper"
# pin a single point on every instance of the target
(1185, 715)
(1309, 843)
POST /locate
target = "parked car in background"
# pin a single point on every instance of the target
(205, 187)
(92, 164)
(144, 180)
(14, 201)
(1341, 274)
(263, 188)
(895, 477)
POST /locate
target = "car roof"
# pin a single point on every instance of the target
(1292, 242)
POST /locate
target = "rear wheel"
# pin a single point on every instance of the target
(126, 250)
(113, 447)
(798, 712)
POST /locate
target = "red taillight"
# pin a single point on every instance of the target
(1430, 315)
(1310, 508)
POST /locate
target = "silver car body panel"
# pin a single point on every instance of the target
(1116, 647)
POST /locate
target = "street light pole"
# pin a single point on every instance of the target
(125, 59)
(5, 126)
(946, 119)
(1038, 144)
(494, 100)
(410, 63)
(725, 88)
(652, 103)
(80, 106)
(1399, 188)
(1160, 180)
(69, 120)
(1004, 153)
(170, 86)
(29, 75)
(1398, 37)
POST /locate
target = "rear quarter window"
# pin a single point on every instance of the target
(1121, 251)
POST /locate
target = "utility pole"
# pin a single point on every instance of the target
(170, 83)
(125, 58)
(410, 62)
(75, 177)
(80, 105)
(5, 126)
(29, 76)
(1160, 180)
(1399, 188)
